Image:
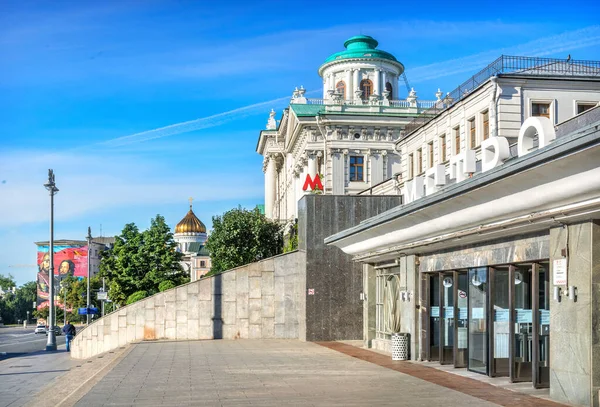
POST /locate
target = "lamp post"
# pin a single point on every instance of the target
(51, 187)
(89, 266)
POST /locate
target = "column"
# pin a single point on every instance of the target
(312, 165)
(377, 84)
(270, 176)
(348, 83)
(356, 83)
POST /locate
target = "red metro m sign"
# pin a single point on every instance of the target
(312, 183)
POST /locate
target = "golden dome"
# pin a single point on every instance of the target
(190, 224)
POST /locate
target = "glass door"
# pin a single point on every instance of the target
(501, 322)
(477, 314)
(542, 351)
(447, 320)
(461, 318)
(522, 335)
(434, 317)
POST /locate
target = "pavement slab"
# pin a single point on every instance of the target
(260, 373)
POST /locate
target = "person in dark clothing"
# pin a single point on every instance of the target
(69, 331)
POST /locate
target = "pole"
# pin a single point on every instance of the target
(51, 187)
(89, 266)
(103, 290)
(62, 290)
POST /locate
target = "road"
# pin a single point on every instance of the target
(18, 340)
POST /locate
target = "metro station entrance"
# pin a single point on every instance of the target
(492, 320)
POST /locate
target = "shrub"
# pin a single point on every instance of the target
(136, 296)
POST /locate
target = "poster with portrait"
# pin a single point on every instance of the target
(68, 261)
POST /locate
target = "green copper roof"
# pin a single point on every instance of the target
(363, 47)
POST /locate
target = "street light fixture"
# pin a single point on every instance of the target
(89, 265)
(51, 187)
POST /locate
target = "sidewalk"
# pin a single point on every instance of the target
(22, 377)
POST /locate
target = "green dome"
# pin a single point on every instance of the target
(363, 47)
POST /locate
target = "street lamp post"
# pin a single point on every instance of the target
(89, 266)
(51, 187)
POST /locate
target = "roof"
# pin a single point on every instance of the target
(311, 110)
(198, 248)
(363, 47)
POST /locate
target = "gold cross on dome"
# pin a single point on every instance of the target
(191, 200)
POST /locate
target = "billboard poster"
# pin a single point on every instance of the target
(69, 260)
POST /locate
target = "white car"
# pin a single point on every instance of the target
(40, 329)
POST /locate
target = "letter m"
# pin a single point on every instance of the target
(312, 183)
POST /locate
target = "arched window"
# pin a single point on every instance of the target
(389, 88)
(367, 88)
(341, 89)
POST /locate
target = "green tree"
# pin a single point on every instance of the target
(140, 261)
(136, 296)
(240, 237)
(166, 285)
(14, 306)
(7, 281)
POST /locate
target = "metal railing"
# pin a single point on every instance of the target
(421, 104)
(508, 64)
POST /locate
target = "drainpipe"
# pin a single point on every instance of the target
(495, 99)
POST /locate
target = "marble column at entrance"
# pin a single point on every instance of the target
(270, 176)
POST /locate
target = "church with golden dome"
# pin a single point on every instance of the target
(190, 236)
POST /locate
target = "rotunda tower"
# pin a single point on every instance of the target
(361, 72)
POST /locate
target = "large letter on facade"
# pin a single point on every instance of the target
(413, 190)
(493, 152)
(542, 126)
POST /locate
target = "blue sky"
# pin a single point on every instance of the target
(83, 84)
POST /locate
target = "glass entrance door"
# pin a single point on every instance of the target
(434, 317)
(522, 333)
(461, 318)
(447, 320)
(542, 350)
(478, 319)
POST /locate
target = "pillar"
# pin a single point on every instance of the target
(270, 178)
(377, 84)
(356, 83)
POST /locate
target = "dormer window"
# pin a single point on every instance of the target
(366, 86)
(341, 89)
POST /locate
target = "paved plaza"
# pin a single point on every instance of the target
(241, 373)
(260, 373)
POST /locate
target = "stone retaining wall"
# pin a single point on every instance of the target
(261, 300)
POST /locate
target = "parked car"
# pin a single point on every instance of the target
(57, 331)
(40, 329)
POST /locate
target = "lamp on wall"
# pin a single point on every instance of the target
(476, 280)
(518, 277)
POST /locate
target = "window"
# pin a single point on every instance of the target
(430, 154)
(456, 132)
(442, 148)
(202, 263)
(419, 161)
(472, 134)
(356, 168)
(411, 163)
(582, 107)
(389, 88)
(540, 109)
(367, 88)
(341, 89)
(486, 124)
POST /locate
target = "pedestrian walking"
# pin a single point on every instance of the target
(69, 331)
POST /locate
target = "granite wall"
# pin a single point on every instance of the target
(571, 333)
(334, 282)
(260, 300)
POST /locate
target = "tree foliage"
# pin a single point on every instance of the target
(166, 285)
(240, 237)
(14, 306)
(140, 261)
(136, 296)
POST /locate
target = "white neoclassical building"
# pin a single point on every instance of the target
(343, 143)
